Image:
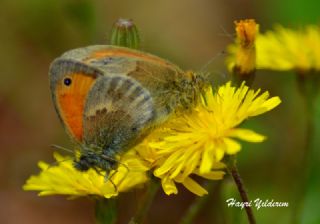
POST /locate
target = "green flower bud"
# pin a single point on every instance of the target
(125, 33)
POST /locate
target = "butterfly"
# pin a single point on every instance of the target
(108, 98)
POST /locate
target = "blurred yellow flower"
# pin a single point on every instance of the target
(283, 49)
(243, 53)
(66, 180)
(196, 142)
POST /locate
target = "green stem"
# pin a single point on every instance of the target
(194, 209)
(232, 167)
(198, 204)
(145, 205)
(308, 87)
(106, 211)
(304, 168)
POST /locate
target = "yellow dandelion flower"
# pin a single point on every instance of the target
(66, 180)
(243, 57)
(196, 142)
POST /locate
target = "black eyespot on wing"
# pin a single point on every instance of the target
(67, 81)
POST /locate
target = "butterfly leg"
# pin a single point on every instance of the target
(108, 177)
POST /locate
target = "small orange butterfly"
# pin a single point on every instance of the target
(108, 98)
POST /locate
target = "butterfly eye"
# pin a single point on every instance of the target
(67, 81)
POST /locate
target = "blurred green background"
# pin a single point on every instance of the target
(188, 33)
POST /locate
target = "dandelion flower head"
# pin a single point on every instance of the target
(195, 143)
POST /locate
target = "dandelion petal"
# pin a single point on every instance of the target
(247, 135)
(169, 186)
(194, 187)
(232, 146)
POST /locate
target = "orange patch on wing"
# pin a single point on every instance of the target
(127, 53)
(71, 101)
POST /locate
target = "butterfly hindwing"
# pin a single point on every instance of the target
(117, 111)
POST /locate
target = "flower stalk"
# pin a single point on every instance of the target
(145, 205)
(194, 209)
(233, 170)
(106, 211)
(308, 85)
(199, 203)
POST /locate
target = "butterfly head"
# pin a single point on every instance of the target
(92, 159)
(84, 163)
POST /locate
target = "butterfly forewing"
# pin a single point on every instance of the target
(168, 84)
(69, 99)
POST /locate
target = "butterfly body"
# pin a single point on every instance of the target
(108, 98)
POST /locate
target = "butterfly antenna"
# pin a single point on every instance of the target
(62, 149)
(225, 33)
(222, 74)
(205, 67)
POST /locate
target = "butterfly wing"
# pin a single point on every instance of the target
(168, 85)
(160, 85)
(69, 97)
(117, 112)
